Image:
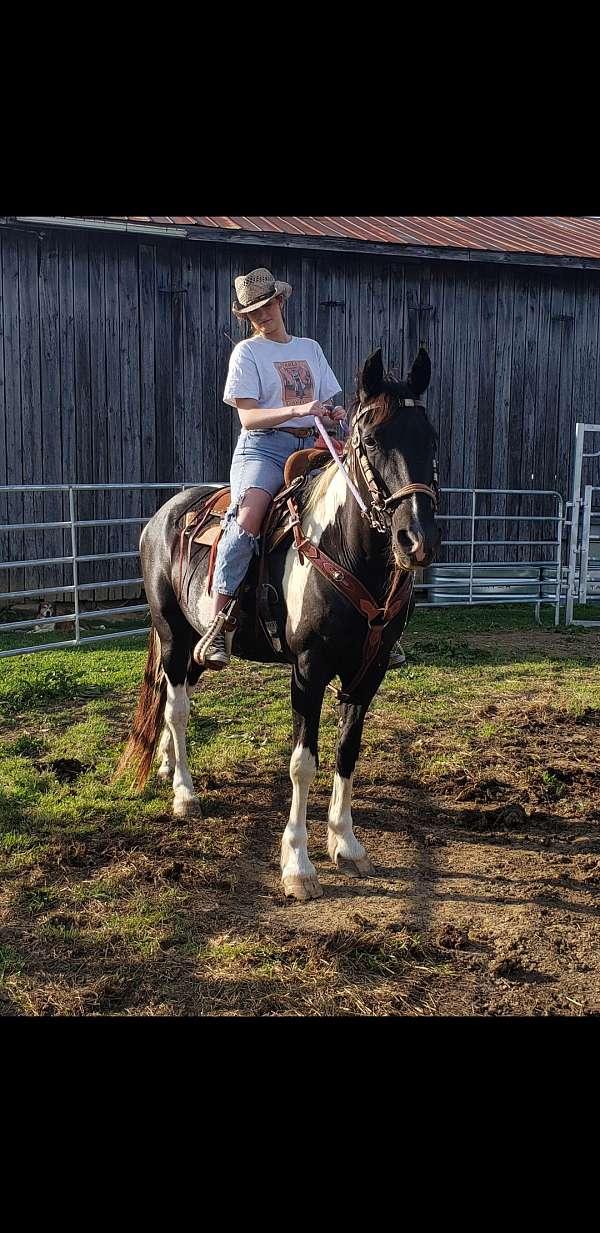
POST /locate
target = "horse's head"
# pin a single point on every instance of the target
(394, 448)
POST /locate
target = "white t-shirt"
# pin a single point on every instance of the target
(280, 374)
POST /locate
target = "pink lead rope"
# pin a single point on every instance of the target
(338, 463)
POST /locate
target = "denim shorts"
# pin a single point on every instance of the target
(259, 458)
(258, 461)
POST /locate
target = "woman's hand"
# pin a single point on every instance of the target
(333, 417)
(307, 409)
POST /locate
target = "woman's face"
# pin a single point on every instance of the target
(268, 319)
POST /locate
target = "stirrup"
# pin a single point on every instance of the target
(222, 621)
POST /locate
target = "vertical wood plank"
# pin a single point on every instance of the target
(67, 427)
(99, 414)
(365, 316)
(129, 355)
(446, 379)
(570, 354)
(12, 392)
(351, 331)
(85, 460)
(56, 543)
(514, 505)
(543, 353)
(337, 356)
(151, 499)
(485, 419)
(226, 425)
(209, 366)
(591, 413)
(309, 298)
(177, 299)
(324, 309)
(192, 363)
(113, 398)
(381, 309)
(4, 535)
(459, 401)
(553, 384)
(165, 461)
(293, 308)
(436, 412)
(29, 328)
(412, 285)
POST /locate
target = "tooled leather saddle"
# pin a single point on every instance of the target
(203, 526)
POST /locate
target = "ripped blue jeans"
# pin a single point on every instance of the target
(258, 461)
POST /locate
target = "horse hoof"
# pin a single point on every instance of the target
(187, 808)
(359, 868)
(165, 773)
(302, 888)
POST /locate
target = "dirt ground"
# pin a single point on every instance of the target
(485, 903)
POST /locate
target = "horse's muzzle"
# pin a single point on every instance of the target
(421, 553)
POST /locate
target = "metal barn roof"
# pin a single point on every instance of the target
(544, 234)
(545, 239)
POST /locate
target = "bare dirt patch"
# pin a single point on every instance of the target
(486, 900)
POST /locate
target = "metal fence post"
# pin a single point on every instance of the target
(585, 544)
(75, 564)
(579, 437)
(472, 558)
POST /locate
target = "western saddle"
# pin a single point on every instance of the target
(203, 526)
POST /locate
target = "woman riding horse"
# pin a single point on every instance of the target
(342, 576)
(277, 383)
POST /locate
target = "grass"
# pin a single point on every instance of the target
(88, 867)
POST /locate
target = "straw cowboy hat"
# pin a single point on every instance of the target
(255, 289)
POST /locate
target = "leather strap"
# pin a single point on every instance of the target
(351, 588)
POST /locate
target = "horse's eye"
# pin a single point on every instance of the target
(370, 442)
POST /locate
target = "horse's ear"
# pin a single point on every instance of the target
(370, 380)
(420, 374)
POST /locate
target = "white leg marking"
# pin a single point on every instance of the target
(342, 844)
(177, 711)
(166, 753)
(297, 872)
(295, 575)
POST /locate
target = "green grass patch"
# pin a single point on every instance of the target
(11, 962)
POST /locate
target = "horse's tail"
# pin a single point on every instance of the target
(147, 721)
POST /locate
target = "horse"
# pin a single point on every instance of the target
(344, 588)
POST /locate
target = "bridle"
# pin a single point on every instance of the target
(379, 513)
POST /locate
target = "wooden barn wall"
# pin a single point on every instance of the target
(115, 350)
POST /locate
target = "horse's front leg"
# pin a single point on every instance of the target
(344, 848)
(298, 875)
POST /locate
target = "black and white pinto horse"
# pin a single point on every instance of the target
(325, 634)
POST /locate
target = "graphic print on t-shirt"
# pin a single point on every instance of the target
(297, 383)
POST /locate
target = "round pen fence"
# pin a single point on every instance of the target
(500, 546)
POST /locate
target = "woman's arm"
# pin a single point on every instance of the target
(252, 416)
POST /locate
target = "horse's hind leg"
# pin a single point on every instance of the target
(344, 848)
(166, 747)
(176, 659)
(298, 875)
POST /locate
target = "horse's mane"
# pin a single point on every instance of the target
(318, 486)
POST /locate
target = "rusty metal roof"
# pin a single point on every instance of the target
(550, 235)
